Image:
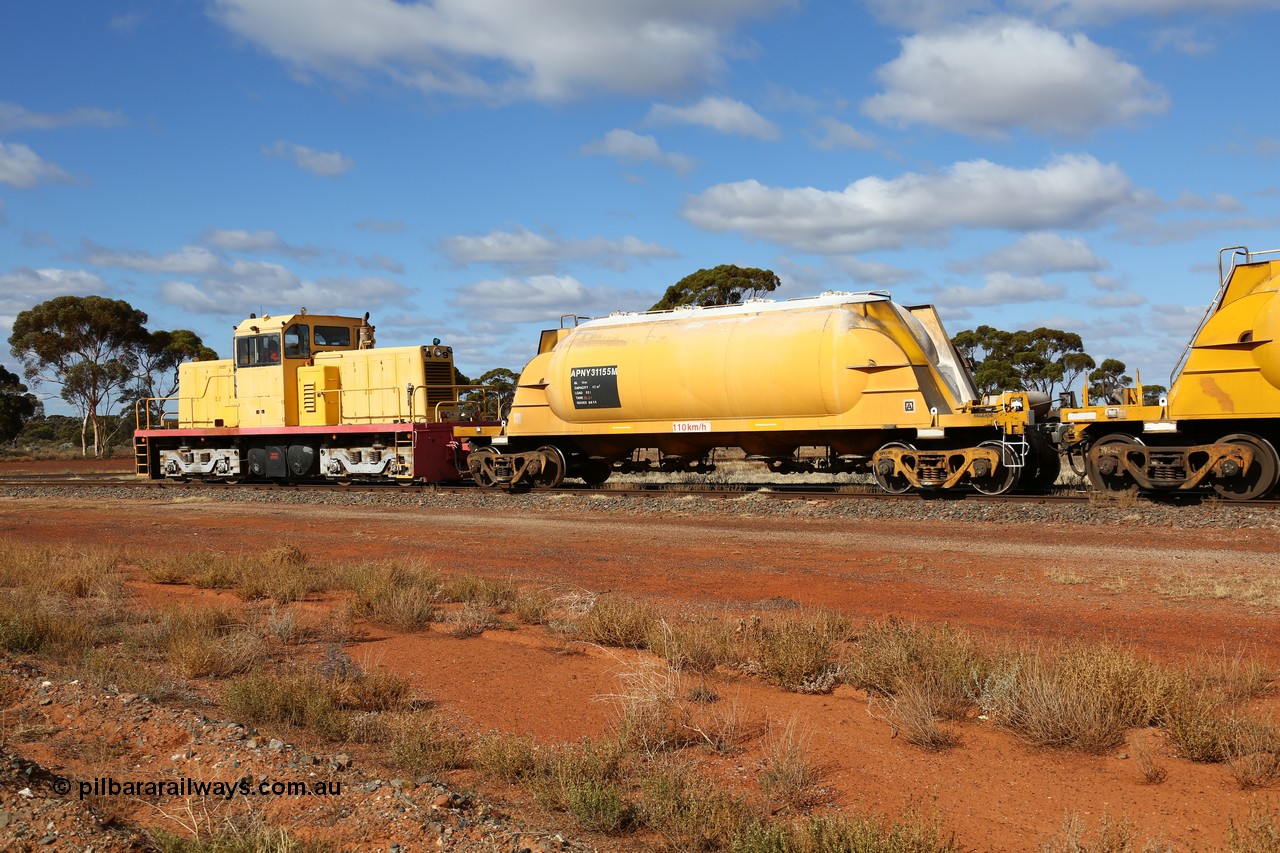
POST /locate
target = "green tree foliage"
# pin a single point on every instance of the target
(17, 405)
(159, 358)
(1151, 394)
(1040, 360)
(1106, 382)
(722, 285)
(90, 346)
(499, 391)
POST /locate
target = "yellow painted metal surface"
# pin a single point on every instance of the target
(318, 392)
(841, 361)
(1233, 368)
(207, 394)
(376, 385)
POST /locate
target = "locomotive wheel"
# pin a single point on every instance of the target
(481, 474)
(1262, 475)
(595, 472)
(553, 467)
(999, 481)
(894, 484)
(1043, 467)
(1117, 483)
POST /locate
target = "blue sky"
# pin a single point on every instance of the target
(473, 169)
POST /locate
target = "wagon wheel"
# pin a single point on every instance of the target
(894, 484)
(1107, 481)
(1002, 478)
(595, 472)
(1260, 478)
(482, 467)
(553, 467)
(1043, 466)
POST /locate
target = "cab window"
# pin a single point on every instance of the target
(257, 350)
(297, 341)
(333, 336)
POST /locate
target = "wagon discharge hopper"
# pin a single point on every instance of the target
(1219, 424)
(876, 384)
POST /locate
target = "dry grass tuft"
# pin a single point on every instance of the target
(395, 595)
(689, 812)
(1152, 772)
(789, 778)
(616, 620)
(912, 713)
(893, 654)
(420, 745)
(471, 620)
(798, 654)
(511, 758)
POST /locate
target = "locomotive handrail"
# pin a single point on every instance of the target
(458, 402)
(1224, 276)
(144, 404)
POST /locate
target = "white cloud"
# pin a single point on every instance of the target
(873, 213)
(1184, 40)
(873, 272)
(380, 262)
(524, 248)
(126, 23)
(1001, 289)
(836, 134)
(1177, 320)
(16, 117)
(1106, 10)
(24, 288)
(1122, 299)
(188, 260)
(924, 14)
(631, 147)
(256, 285)
(1036, 254)
(539, 297)
(991, 77)
(381, 226)
(724, 115)
(257, 242)
(550, 50)
(23, 168)
(326, 164)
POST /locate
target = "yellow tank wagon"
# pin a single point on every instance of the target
(877, 384)
(1219, 424)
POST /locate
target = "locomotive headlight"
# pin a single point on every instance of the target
(438, 352)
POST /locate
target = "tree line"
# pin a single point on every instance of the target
(100, 355)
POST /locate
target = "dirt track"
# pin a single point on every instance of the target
(1015, 580)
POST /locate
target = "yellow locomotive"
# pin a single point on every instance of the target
(877, 384)
(308, 397)
(1219, 424)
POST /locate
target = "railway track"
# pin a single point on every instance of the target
(769, 491)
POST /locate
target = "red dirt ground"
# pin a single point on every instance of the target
(993, 791)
